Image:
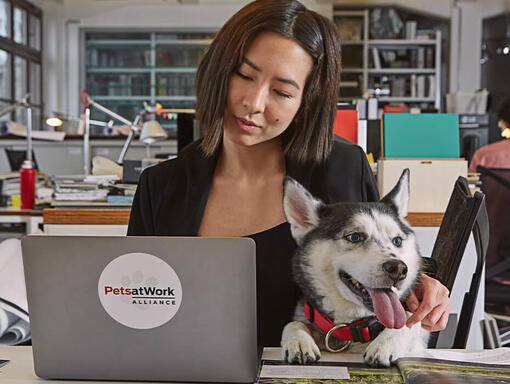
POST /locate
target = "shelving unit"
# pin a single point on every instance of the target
(418, 83)
(124, 70)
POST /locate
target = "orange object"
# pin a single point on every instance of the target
(346, 124)
(396, 108)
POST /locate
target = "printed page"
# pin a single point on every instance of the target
(418, 370)
(500, 356)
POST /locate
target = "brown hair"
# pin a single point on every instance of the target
(310, 136)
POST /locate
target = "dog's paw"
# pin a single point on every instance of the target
(298, 346)
(379, 354)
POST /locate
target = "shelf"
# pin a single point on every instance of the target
(98, 43)
(407, 99)
(142, 70)
(402, 70)
(349, 84)
(352, 70)
(183, 42)
(401, 42)
(144, 98)
(353, 42)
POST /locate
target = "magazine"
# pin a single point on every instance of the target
(472, 367)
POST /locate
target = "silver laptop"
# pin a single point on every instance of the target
(142, 308)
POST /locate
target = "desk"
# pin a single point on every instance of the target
(32, 218)
(86, 222)
(113, 222)
(21, 366)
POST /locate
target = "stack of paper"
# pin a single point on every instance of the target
(14, 322)
(79, 189)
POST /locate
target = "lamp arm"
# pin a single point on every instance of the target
(12, 107)
(109, 112)
(120, 161)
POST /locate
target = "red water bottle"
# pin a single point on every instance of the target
(27, 184)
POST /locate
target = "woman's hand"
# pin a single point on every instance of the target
(430, 304)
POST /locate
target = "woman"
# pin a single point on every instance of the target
(266, 98)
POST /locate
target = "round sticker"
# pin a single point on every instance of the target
(140, 290)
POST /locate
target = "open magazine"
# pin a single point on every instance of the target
(14, 322)
(473, 367)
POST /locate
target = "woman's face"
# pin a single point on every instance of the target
(265, 92)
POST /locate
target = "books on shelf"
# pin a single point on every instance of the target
(376, 58)
(410, 29)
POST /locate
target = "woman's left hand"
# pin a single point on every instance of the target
(430, 304)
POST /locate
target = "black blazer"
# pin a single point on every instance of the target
(171, 196)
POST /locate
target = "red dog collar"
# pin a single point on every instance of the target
(360, 331)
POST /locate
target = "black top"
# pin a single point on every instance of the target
(171, 198)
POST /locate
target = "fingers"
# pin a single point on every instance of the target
(439, 326)
(412, 302)
(433, 317)
(422, 311)
(434, 307)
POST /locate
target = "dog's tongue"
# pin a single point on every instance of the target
(387, 307)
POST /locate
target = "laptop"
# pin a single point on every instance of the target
(142, 308)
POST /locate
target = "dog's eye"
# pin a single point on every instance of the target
(397, 241)
(355, 237)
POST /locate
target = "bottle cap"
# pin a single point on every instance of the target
(27, 164)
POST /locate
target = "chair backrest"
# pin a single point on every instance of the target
(496, 187)
(464, 214)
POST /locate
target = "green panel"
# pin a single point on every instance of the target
(429, 135)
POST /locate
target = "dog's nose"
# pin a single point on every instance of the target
(396, 269)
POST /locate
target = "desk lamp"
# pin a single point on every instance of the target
(152, 132)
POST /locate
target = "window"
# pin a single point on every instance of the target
(5, 14)
(21, 59)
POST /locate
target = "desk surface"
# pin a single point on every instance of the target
(121, 217)
(21, 366)
(12, 211)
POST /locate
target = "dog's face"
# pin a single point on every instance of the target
(366, 252)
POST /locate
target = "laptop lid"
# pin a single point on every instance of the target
(142, 308)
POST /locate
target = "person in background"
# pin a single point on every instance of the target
(266, 90)
(496, 155)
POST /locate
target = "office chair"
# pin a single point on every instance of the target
(464, 215)
(16, 157)
(496, 186)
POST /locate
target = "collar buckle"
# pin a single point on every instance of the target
(345, 345)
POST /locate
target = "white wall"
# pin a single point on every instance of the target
(63, 20)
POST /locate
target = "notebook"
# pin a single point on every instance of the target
(142, 308)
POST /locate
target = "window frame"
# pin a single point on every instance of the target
(31, 55)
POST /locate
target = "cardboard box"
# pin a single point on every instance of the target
(431, 180)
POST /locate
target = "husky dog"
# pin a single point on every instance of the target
(354, 261)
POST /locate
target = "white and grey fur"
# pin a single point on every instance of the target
(323, 251)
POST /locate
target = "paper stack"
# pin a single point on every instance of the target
(14, 322)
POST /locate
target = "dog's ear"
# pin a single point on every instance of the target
(399, 195)
(300, 208)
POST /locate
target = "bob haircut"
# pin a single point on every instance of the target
(310, 135)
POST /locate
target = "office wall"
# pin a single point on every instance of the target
(63, 20)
